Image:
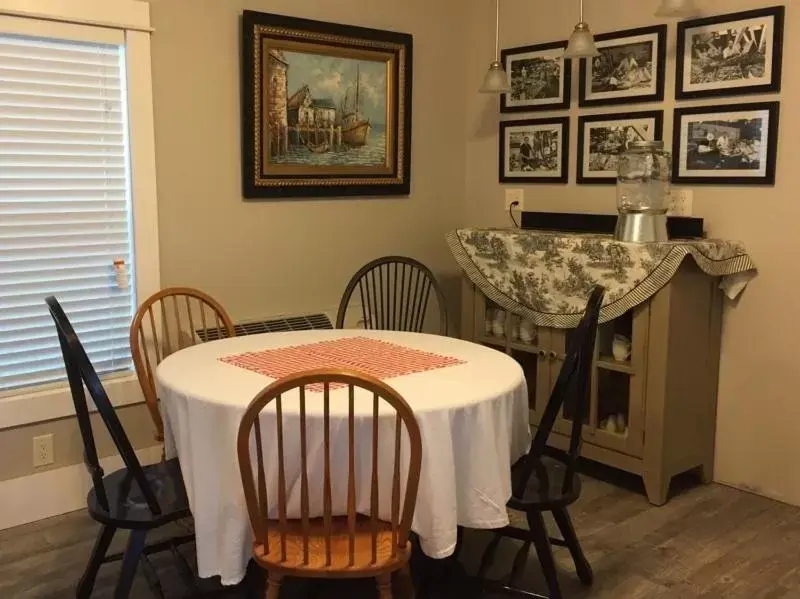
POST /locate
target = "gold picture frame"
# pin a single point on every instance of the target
(326, 109)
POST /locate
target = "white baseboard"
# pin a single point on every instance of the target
(55, 492)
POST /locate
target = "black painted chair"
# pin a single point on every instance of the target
(394, 292)
(136, 498)
(543, 481)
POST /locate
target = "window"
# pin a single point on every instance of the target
(64, 204)
(77, 192)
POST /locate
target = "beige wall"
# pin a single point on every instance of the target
(757, 428)
(264, 258)
(271, 257)
(16, 444)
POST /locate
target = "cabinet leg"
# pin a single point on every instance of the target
(657, 487)
(707, 471)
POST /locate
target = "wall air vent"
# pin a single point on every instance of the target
(289, 323)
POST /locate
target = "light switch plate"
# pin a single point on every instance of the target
(515, 195)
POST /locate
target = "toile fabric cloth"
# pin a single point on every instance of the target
(546, 277)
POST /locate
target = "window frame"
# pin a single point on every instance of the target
(61, 18)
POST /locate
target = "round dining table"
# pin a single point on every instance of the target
(471, 403)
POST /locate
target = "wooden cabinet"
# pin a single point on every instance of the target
(652, 414)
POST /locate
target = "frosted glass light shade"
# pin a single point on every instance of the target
(677, 8)
(581, 43)
(496, 80)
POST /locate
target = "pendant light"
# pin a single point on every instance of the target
(581, 42)
(496, 80)
(677, 9)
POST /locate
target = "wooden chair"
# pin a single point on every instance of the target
(331, 546)
(160, 328)
(542, 482)
(394, 293)
(136, 498)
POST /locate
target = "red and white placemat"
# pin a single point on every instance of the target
(381, 359)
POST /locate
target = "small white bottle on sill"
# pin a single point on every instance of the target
(121, 273)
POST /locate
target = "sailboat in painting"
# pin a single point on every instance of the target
(355, 128)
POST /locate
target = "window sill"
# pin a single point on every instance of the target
(55, 403)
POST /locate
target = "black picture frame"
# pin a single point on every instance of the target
(562, 175)
(685, 28)
(565, 81)
(657, 117)
(266, 40)
(725, 176)
(659, 35)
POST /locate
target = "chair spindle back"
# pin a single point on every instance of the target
(394, 292)
(168, 321)
(79, 372)
(312, 388)
(575, 375)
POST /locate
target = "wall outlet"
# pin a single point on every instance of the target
(43, 451)
(515, 195)
(681, 201)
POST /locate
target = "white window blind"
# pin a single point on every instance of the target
(65, 210)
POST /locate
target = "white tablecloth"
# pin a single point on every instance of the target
(473, 418)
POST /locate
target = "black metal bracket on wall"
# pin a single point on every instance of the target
(678, 227)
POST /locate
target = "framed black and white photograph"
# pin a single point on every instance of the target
(629, 69)
(540, 77)
(534, 150)
(603, 137)
(731, 54)
(726, 145)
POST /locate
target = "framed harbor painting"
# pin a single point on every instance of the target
(534, 150)
(540, 76)
(603, 137)
(326, 109)
(733, 54)
(735, 144)
(629, 69)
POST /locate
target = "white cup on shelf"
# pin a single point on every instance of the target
(499, 325)
(488, 322)
(621, 348)
(526, 331)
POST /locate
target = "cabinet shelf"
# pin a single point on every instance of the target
(491, 340)
(526, 347)
(609, 363)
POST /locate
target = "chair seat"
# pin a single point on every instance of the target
(545, 498)
(128, 507)
(340, 565)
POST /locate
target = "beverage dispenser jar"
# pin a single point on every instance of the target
(643, 187)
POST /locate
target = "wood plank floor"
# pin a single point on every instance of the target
(709, 541)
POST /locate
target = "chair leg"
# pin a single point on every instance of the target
(86, 583)
(459, 541)
(541, 540)
(488, 555)
(406, 583)
(273, 586)
(384, 586)
(519, 562)
(582, 566)
(130, 562)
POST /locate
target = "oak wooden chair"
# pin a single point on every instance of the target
(547, 482)
(166, 322)
(333, 545)
(394, 292)
(136, 498)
